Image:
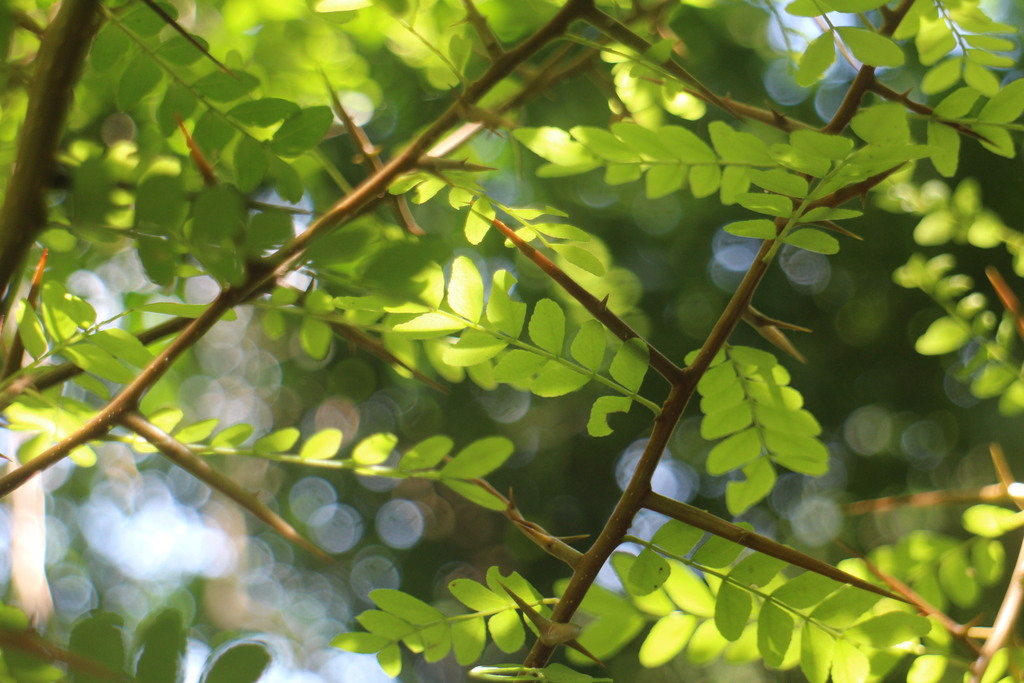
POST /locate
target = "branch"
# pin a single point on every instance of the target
(621, 33)
(597, 308)
(706, 521)
(264, 273)
(183, 456)
(865, 78)
(1005, 620)
(994, 493)
(371, 158)
(57, 67)
(483, 30)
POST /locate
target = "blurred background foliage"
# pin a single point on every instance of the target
(132, 535)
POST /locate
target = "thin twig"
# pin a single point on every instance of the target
(169, 20)
(597, 308)
(994, 493)
(1005, 621)
(370, 157)
(701, 519)
(182, 456)
(61, 55)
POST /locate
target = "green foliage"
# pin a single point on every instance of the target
(745, 397)
(185, 166)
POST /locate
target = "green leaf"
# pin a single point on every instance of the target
(1006, 106)
(302, 131)
(815, 60)
(518, 367)
(724, 422)
(405, 606)
(557, 379)
(232, 437)
(780, 182)
(891, 628)
(263, 112)
(161, 648)
(315, 337)
(250, 163)
(430, 326)
(988, 559)
(123, 346)
(816, 653)
(589, 345)
(580, 257)
(466, 289)
(871, 48)
(732, 610)
(95, 360)
(476, 596)
(506, 315)
(648, 573)
(945, 335)
(736, 451)
(547, 326)
(100, 638)
(758, 228)
(883, 124)
(140, 78)
(427, 453)
(597, 425)
(991, 521)
(927, 669)
(767, 203)
(759, 480)
(31, 331)
(942, 76)
(567, 156)
(374, 449)
(478, 221)
(677, 538)
(473, 347)
(629, 365)
(958, 580)
(226, 87)
(774, 633)
(945, 148)
(813, 240)
(850, 664)
(604, 145)
(322, 445)
(238, 663)
(664, 180)
(279, 441)
(218, 213)
(479, 458)
(469, 636)
(507, 631)
(477, 494)
(667, 639)
(718, 552)
(197, 431)
(980, 78)
(360, 642)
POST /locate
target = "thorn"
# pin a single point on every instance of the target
(840, 229)
(769, 329)
(552, 633)
(202, 165)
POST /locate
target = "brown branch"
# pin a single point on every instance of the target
(183, 456)
(483, 30)
(1005, 621)
(994, 493)
(61, 54)
(924, 110)
(370, 158)
(14, 354)
(701, 519)
(865, 78)
(1006, 297)
(597, 308)
(265, 273)
(957, 630)
(31, 643)
(621, 518)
